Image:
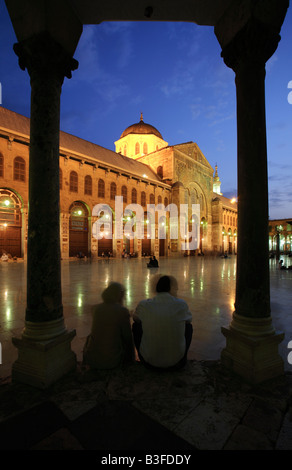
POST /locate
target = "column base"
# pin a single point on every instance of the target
(252, 356)
(40, 363)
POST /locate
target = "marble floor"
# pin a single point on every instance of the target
(206, 283)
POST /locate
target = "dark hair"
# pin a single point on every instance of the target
(163, 285)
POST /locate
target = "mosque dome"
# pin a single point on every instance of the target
(141, 128)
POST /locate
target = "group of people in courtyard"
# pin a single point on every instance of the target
(158, 334)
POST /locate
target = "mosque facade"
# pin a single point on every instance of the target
(144, 170)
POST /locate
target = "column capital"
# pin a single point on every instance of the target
(252, 46)
(42, 55)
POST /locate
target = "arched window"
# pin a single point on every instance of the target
(19, 169)
(88, 185)
(125, 193)
(125, 150)
(60, 178)
(1, 165)
(145, 148)
(137, 148)
(165, 201)
(152, 199)
(160, 171)
(113, 192)
(100, 188)
(159, 200)
(134, 196)
(143, 199)
(73, 182)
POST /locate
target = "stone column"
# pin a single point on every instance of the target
(44, 352)
(251, 341)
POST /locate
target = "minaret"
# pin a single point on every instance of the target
(216, 182)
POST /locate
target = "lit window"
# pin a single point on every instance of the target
(19, 169)
(134, 196)
(143, 199)
(137, 148)
(101, 188)
(73, 182)
(1, 165)
(125, 193)
(113, 191)
(88, 185)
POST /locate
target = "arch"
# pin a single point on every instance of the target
(145, 148)
(88, 185)
(1, 165)
(78, 229)
(160, 171)
(125, 193)
(146, 241)
(159, 200)
(19, 169)
(10, 223)
(101, 188)
(105, 242)
(162, 228)
(143, 199)
(152, 199)
(73, 182)
(113, 191)
(134, 196)
(137, 148)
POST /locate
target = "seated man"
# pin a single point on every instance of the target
(162, 328)
(110, 343)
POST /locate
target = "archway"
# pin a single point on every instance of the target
(78, 231)
(10, 223)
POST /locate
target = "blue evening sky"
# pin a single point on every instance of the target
(174, 74)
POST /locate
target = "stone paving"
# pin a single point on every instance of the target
(203, 407)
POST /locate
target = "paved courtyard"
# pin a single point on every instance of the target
(206, 283)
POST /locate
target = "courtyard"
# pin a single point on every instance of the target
(207, 284)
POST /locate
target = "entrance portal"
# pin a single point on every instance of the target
(10, 223)
(78, 234)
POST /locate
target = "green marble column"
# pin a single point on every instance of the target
(41, 357)
(251, 341)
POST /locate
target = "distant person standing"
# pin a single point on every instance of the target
(110, 343)
(162, 328)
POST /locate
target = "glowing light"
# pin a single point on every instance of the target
(7, 202)
(233, 200)
(5, 225)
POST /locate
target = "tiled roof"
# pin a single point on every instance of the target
(15, 123)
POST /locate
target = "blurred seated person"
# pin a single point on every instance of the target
(110, 343)
(153, 263)
(162, 328)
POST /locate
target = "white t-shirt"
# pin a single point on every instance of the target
(163, 323)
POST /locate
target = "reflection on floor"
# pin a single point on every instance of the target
(206, 283)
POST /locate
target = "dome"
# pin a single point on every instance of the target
(141, 128)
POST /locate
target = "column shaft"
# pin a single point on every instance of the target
(252, 283)
(44, 298)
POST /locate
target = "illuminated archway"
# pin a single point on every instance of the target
(10, 223)
(78, 229)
